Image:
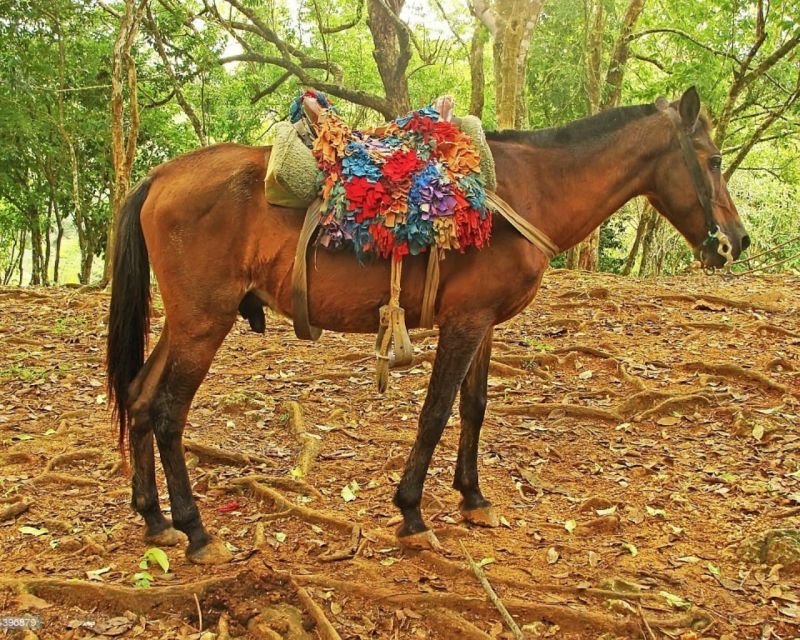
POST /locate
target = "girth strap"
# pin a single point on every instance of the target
(300, 316)
(533, 235)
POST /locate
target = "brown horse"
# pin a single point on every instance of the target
(214, 244)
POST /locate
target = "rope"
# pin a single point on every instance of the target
(768, 251)
(767, 266)
(392, 346)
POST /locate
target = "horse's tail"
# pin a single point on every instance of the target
(129, 313)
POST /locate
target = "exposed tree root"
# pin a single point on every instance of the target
(682, 404)
(706, 326)
(592, 351)
(310, 446)
(52, 477)
(727, 370)
(728, 302)
(546, 408)
(72, 456)
(622, 373)
(455, 625)
(767, 327)
(304, 513)
(112, 596)
(501, 370)
(216, 455)
(641, 401)
(522, 362)
(300, 487)
(324, 626)
(779, 364)
(569, 618)
(13, 510)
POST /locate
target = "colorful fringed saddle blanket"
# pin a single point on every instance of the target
(399, 189)
(415, 185)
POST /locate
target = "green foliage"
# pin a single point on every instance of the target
(676, 43)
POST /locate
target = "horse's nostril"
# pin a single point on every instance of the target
(745, 242)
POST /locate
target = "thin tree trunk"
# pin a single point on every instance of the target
(648, 241)
(59, 238)
(477, 79)
(12, 259)
(36, 245)
(23, 237)
(123, 146)
(637, 242)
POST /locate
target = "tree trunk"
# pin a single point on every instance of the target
(36, 245)
(123, 146)
(516, 20)
(511, 24)
(648, 242)
(637, 242)
(603, 95)
(59, 238)
(21, 264)
(477, 79)
(392, 51)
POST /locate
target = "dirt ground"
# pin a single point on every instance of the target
(642, 438)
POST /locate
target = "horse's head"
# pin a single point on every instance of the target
(689, 188)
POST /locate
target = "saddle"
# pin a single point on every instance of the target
(423, 183)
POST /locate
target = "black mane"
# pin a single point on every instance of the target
(583, 130)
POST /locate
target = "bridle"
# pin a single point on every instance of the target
(716, 240)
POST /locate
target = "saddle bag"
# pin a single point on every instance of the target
(292, 174)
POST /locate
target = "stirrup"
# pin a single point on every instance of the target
(393, 347)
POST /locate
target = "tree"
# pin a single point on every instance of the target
(123, 144)
(603, 94)
(511, 24)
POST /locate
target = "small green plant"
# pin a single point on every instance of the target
(143, 579)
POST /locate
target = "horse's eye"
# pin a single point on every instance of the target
(715, 163)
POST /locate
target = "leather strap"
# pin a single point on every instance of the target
(701, 186)
(300, 315)
(428, 310)
(533, 235)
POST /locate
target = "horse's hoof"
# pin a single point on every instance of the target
(482, 516)
(169, 537)
(422, 541)
(215, 552)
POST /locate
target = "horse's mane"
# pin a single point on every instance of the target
(583, 130)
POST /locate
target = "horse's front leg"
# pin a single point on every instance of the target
(472, 407)
(459, 339)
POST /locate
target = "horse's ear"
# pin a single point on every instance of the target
(662, 104)
(689, 107)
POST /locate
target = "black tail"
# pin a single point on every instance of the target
(129, 315)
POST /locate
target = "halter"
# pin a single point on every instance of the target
(716, 238)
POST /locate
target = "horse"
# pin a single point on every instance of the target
(216, 245)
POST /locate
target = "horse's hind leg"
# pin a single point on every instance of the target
(188, 359)
(472, 407)
(458, 342)
(144, 498)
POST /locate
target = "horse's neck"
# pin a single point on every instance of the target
(568, 191)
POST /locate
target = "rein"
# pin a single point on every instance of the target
(716, 238)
